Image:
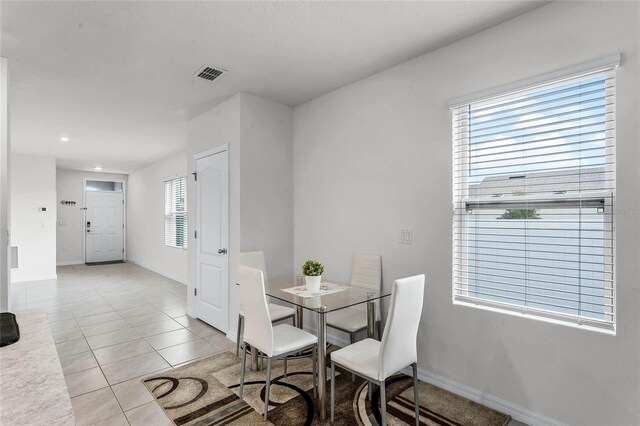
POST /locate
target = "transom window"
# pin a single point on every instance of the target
(175, 213)
(533, 191)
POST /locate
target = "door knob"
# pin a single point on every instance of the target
(222, 251)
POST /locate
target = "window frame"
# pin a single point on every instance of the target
(174, 214)
(460, 179)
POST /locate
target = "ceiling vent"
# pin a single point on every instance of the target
(209, 73)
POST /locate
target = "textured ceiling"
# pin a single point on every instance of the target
(117, 77)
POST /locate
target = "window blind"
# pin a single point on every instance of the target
(175, 213)
(534, 191)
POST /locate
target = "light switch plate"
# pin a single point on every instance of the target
(406, 236)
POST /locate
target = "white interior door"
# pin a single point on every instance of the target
(103, 226)
(212, 213)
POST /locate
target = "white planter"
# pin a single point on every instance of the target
(313, 283)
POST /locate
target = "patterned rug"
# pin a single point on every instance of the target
(206, 393)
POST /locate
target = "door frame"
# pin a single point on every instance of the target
(84, 213)
(196, 157)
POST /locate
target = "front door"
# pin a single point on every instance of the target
(103, 226)
(212, 213)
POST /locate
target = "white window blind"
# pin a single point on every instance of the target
(533, 191)
(175, 213)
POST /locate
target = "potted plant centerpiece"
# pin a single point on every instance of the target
(312, 271)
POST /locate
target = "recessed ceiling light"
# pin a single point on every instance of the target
(64, 139)
(97, 168)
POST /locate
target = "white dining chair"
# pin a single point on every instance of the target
(276, 342)
(366, 273)
(256, 259)
(376, 361)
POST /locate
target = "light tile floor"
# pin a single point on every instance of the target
(113, 325)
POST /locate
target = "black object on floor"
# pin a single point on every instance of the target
(109, 262)
(9, 330)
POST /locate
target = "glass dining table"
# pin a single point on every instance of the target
(321, 305)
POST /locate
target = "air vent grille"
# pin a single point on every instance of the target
(209, 73)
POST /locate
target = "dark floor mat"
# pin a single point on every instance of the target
(9, 330)
(110, 262)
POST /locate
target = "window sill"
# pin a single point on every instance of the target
(178, 248)
(533, 315)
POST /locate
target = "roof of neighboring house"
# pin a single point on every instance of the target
(585, 179)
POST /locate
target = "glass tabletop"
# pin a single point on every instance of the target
(350, 296)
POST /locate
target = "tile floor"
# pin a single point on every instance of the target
(112, 325)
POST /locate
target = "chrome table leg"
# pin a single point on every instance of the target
(322, 363)
(254, 359)
(300, 317)
(371, 314)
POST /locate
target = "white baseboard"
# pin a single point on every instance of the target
(70, 262)
(34, 278)
(232, 335)
(518, 413)
(157, 271)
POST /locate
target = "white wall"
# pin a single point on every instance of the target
(266, 182)
(5, 198)
(218, 126)
(375, 156)
(33, 186)
(70, 227)
(145, 219)
(259, 135)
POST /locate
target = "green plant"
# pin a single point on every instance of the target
(520, 214)
(312, 268)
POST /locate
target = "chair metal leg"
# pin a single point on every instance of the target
(285, 367)
(379, 326)
(333, 389)
(314, 360)
(239, 335)
(266, 392)
(352, 337)
(415, 392)
(369, 390)
(244, 365)
(383, 403)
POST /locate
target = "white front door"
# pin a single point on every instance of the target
(212, 213)
(103, 226)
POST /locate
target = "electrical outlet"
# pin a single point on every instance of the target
(406, 236)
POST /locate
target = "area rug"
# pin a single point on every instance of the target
(206, 393)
